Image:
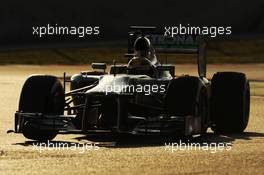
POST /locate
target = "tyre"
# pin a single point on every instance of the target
(230, 102)
(187, 96)
(181, 96)
(41, 94)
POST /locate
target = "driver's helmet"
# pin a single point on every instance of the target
(142, 47)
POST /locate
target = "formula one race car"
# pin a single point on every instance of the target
(143, 97)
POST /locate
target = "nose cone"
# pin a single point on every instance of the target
(110, 84)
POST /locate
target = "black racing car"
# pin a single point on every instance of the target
(148, 99)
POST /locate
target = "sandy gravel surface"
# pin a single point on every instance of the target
(242, 154)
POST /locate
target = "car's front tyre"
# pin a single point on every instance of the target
(41, 94)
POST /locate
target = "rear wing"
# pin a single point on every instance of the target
(180, 44)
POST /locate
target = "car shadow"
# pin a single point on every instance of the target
(50, 144)
(134, 141)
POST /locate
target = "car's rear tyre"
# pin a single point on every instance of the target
(41, 94)
(230, 102)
